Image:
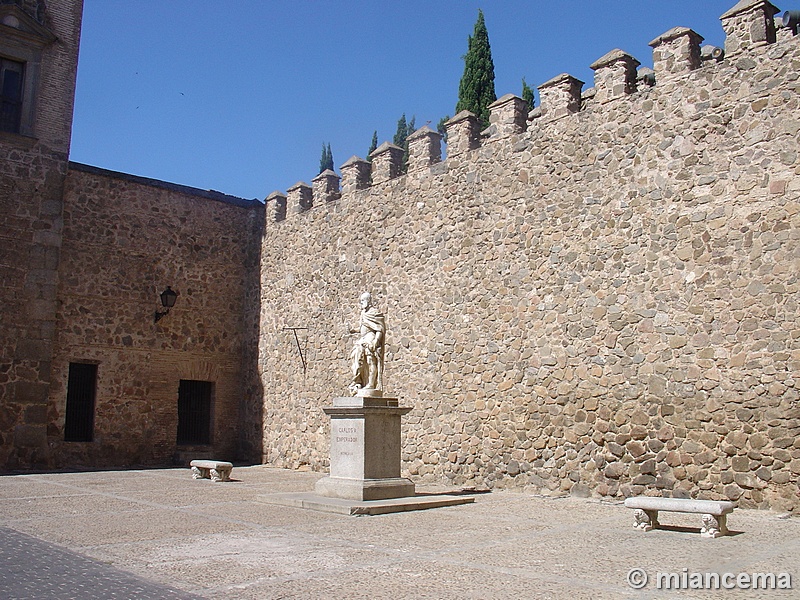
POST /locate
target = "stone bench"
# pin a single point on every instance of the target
(215, 470)
(714, 512)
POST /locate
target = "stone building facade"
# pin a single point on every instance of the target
(597, 296)
(124, 240)
(88, 377)
(34, 150)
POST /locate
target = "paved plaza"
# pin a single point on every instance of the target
(161, 534)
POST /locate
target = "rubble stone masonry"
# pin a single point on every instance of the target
(33, 164)
(125, 239)
(598, 296)
(605, 302)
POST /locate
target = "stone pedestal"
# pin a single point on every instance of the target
(365, 450)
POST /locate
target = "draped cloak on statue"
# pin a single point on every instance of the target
(368, 351)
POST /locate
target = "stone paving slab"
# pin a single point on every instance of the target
(163, 528)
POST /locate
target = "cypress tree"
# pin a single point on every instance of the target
(527, 94)
(373, 145)
(400, 140)
(440, 127)
(410, 128)
(404, 129)
(402, 132)
(326, 160)
(476, 90)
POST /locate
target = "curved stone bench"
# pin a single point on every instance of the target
(215, 470)
(715, 512)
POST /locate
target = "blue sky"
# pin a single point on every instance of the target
(239, 95)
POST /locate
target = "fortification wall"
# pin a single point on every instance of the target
(600, 297)
(125, 239)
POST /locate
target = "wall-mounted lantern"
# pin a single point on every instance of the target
(168, 297)
(791, 20)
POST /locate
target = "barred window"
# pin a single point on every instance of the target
(194, 412)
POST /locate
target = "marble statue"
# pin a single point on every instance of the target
(368, 350)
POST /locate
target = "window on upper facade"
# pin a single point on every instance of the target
(23, 37)
(11, 86)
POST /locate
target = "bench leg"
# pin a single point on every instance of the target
(196, 473)
(714, 527)
(220, 475)
(645, 520)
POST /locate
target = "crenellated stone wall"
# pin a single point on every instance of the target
(599, 299)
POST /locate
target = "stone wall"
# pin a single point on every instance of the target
(32, 171)
(125, 239)
(600, 299)
(597, 297)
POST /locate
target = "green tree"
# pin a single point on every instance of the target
(527, 94)
(476, 90)
(404, 129)
(440, 127)
(412, 126)
(373, 145)
(326, 160)
(402, 132)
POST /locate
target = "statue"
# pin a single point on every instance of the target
(367, 354)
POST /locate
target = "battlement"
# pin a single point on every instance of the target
(751, 28)
(596, 296)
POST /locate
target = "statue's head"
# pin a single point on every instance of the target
(365, 300)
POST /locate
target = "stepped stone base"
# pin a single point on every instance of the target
(365, 489)
(344, 506)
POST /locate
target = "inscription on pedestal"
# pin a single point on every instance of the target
(346, 435)
(347, 448)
